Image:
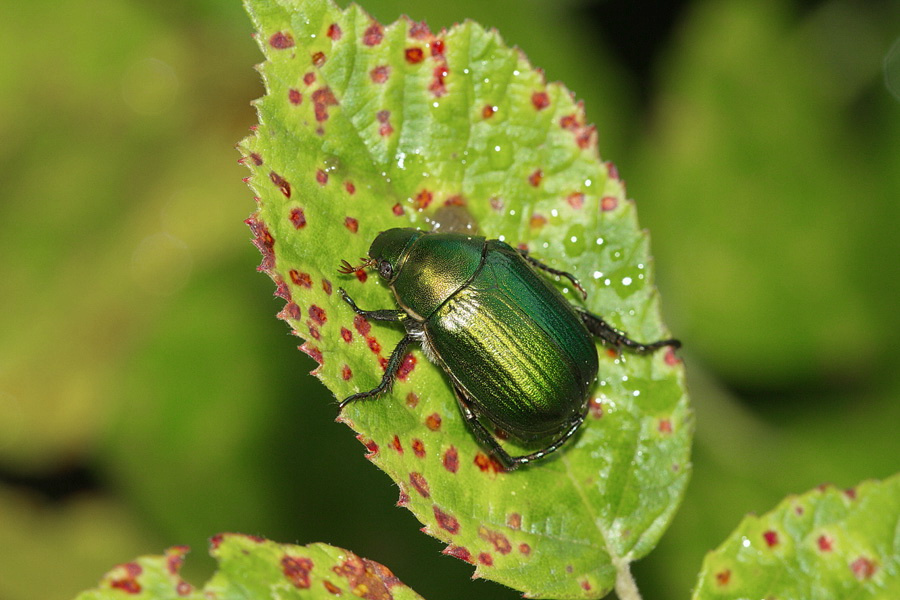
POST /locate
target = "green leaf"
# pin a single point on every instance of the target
(827, 543)
(251, 567)
(367, 127)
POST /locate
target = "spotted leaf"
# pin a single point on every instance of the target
(367, 126)
(827, 543)
(251, 567)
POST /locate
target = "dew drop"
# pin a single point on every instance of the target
(626, 281)
(554, 213)
(574, 243)
(588, 183)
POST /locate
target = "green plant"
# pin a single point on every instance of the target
(367, 127)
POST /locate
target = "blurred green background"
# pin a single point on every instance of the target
(149, 397)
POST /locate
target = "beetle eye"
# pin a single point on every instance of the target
(385, 269)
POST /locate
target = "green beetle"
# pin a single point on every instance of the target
(516, 351)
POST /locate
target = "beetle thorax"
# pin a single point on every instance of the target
(434, 269)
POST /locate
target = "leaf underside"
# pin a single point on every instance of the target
(251, 567)
(827, 543)
(366, 127)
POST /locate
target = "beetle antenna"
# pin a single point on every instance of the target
(346, 268)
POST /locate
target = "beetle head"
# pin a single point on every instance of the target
(387, 253)
(389, 249)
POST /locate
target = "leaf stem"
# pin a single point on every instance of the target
(626, 588)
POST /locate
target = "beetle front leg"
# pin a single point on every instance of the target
(536, 263)
(375, 315)
(389, 372)
(613, 337)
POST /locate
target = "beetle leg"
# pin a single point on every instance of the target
(389, 372)
(483, 435)
(613, 337)
(510, 463)
(375, 315)
(536, 263)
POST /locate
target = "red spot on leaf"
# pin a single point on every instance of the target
(128, 582)
(499, 541)
(723, 577)
(346, 373)
(351, 224)
(569, 122)
(361, 325)
(438, 87)
(437, 48)
(419, 31)
(326, 286)
(433, 421)
(455, 200)
(282, 291)
(612, 169)
(256, 158)
(346, 334)
(771, 538)
(487, 463)
(406, 367)
(331, 588)
(183, 588)
(412, 400)
(351, 189)
(575, 200)
(486, 559)
(396, 445)
(300, 279)
(297, 570)
(414, 55)
(334, 32)
(451, 459)
(664, 426)
(281, 183)
(380, 74)
(281, 40)
(423, 199)
(372, 447)
(535, 178)
(446, 522)
(317, 314)
(421, 485)
(418, 448)
(403, 499)
(850, 493)
(290, 311)
(525, 549)
(397, 209)
(595, 407)
(384, 117)
(514, 521)
(322, 99)
(321, 177)
(312, 352)
(671, 358)
(459, 552)
(825, 543)
(318, 59)
(309, 78)
(586, 585)
(373, 35)
(488, 111)
(537, 221)
(863, 568)
(367, 579)
(298, 218)
(264, 241)
(496, 204)
(608, 203)
(540, 100)
(216, 540)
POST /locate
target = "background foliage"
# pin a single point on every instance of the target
(148, 396)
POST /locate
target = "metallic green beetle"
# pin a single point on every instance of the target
(516, 351)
